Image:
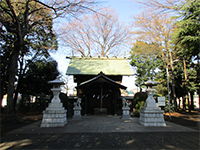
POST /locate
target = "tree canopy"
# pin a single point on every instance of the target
(187, 33)
(29, 24)
(174, 27)
(38, 74)
(144, 58)
(97, 34)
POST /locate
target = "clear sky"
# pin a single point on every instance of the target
(125, 9)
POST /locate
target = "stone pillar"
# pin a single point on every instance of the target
(125, 109)
(55, 113)
(151, 114)
(126, 112)
(77, 109)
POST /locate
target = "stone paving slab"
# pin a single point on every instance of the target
(102, 132)
(95, 124)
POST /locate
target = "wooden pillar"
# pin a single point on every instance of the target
(101, 98)
(86, 103)
(115, 103)
(115, 107)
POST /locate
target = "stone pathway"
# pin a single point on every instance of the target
(102, 132)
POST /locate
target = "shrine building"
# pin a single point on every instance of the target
(99, 82)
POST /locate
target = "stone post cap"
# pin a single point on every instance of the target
(56, 81)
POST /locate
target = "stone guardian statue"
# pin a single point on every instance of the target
(77, 109)
(125, 109)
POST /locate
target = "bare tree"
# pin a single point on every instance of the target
(157, 29)
(97, 34)
(161, 5)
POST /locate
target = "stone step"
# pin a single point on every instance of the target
(52, 111)
(53, 124)
(157, 120)
(52, 115)
(53, 120)
(55, 105)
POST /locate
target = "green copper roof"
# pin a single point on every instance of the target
(95, 65)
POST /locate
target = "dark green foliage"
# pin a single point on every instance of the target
(24, 103)
(166, 107)
(187, 37)
(5, 57)
(26, 33)
(187, 40)
(37, 76)
(187, 34)
(41, 102)
(64, 100)
(145, 61)
(184, 75)
(138, 102)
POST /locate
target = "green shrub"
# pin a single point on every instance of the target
(24, 104)
(138, 102)
(172, 107)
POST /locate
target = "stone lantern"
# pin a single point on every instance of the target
(55, 113)
(151, 114)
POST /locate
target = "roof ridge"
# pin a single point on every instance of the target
(97, 58)
(102, 75)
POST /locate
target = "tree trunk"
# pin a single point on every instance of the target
(18, 84)
(173, 82)
(179, 104)
(188, 101)
(199, 99)
(184, 106)
(185, 73)
(198, 77)
(1, 92)
(174, 92)
(192, 100)
(15, 98)
(140, 89)
(2, 87)
(11, 81)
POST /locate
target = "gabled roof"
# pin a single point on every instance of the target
(94, 65)
(101, 78)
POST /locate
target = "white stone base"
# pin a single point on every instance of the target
(151, 114)
(54, 116)
(77, 113)
(125, 113)
(152, 117)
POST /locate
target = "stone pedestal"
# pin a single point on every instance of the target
(77, 112)
(125, 112)
(55, 113)
(54, 116)
(151, 114)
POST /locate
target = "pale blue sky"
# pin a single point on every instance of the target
(124, 8)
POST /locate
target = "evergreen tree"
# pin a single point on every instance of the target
(35, 81)
(187, 40)
(144, 58)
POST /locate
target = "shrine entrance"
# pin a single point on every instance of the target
(101, 95)
(99, 82)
